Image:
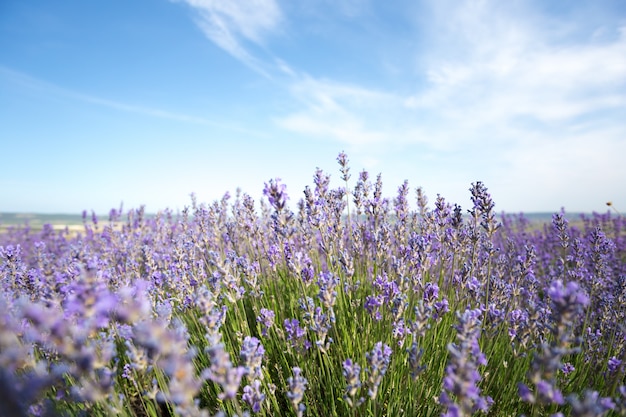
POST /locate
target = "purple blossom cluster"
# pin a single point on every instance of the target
(461, 394)
(222, 309)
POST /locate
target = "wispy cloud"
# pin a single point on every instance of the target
(46, 87)
(488, 68)
(515, 67)
(233, 24)
(335, 111)
(505, 85)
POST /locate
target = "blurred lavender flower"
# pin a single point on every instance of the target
(378, 362)
(431, 293)
(296, 335)
(423, 316)
(297, 386)
(352, 374)
(567, 301)
(591, 405)
(415, 358)
(613, 364)
(462, 377)
(318, 321)
(327, 293)
(619, 401)
(89, 299)
(168, 347)
(223, 373)
(266, 319)
(134, 303)
(548, 393)
(422, 201)
(276, 193)
(253, 396)
(251, 356)
(211, 314)
(400, 331)
(342, 159)
(372, 304)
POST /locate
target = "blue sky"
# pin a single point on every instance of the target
(146, 101)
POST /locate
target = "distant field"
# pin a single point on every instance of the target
(33, 219)
(74, 222)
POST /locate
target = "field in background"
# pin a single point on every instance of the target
(36, 221)
(74, 222)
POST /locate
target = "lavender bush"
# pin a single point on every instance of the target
(346, 304)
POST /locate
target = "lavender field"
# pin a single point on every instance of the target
(341, 303)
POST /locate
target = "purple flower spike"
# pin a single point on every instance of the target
(342, 159)
(266, 319)
(564, 296)
(276, 193)
(431, 293)
(614, 364)
(253, 396)
(352, 374)
(461, 395)
(591, 405)
(547, 393)
(297, 386)
(296, 335)
(378, 362)
(251, 356)
(223, 373)
(327, 294)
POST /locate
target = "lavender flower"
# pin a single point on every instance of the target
(372, 304)
(614, 364)
(461, 395)
(342, 159)
(327, 293)
(223, 373)
(266, 319)
(251, 356)
(431, 293)
(378, 363)
(400, 331)
(483, 206)
(82, 313)
(276, 192)
(352, 374)
(591, 405)
(296, 335)
(415, 358)
(297, 386)
(253, 396)
(567, 302)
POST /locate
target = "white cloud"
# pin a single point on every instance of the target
(511, 65)
(364, 119)
(488, 67)
(503, 78)
(579, 170)
(230, 24)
